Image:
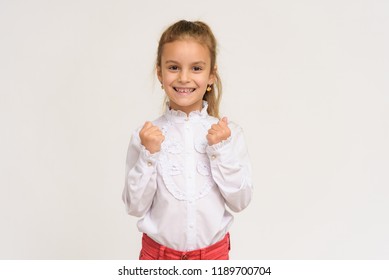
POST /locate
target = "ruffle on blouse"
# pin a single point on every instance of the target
(169, 170)
(180, 116)
(221, 144)
(171, 163)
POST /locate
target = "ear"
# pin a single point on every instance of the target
(159, 73)
(213, 76)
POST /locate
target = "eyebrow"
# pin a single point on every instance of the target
(194, 63)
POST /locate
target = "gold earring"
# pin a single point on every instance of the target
(209, 88)
(161, 86)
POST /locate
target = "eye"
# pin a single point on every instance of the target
(197, 68)
(173, 67)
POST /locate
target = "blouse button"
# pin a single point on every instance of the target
(213, 157)
(149, 163)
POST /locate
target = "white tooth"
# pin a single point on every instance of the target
(184, 90)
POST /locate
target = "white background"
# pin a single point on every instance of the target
(307, 80)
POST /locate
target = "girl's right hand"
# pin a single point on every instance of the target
(151, 137)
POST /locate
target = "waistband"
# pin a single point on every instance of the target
(219, 250)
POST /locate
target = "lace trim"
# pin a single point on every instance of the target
(175, 167)
(179, 116)
(221, 144)
(204, 169)
(201, 146)
(173, 146)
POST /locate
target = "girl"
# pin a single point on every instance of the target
(185, 167)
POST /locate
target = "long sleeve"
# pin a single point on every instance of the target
(140, 184)
(231, 169)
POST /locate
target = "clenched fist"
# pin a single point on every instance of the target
(218, 132)
(151, 137)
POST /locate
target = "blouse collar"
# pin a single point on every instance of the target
(180, 116)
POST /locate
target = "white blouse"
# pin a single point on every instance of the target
(181, 191)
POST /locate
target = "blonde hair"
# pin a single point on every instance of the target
(202, 33)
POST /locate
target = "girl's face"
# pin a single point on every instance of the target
(185, 73)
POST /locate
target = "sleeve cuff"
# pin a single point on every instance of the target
(221, 151)
(146, 159)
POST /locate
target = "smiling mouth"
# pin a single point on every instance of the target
(184, 91)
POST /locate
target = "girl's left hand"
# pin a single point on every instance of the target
(218, 132)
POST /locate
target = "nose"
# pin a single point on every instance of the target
(184, 77)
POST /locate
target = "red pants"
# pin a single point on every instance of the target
(152, 250)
